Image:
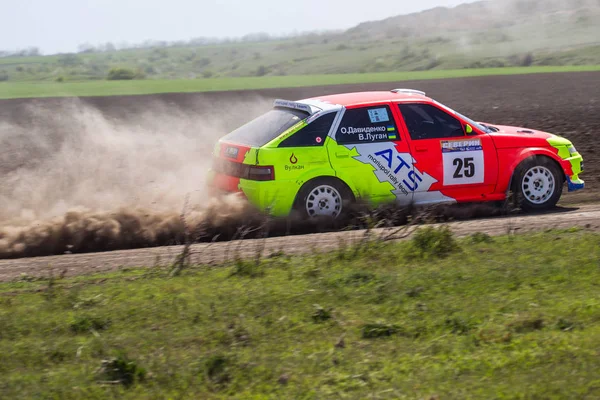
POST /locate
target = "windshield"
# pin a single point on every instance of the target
(267, 127)
(468, 120)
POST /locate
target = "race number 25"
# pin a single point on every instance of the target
(465, 168)
(463, 162)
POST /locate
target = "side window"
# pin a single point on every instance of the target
(425, 121)
(313, 134)
(367, 125)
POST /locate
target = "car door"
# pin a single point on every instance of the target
(464, 167)
(370, 153)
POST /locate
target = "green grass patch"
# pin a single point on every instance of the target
(508, 317)
(151, 86)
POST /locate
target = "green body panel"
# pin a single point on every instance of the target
(563, 145)
(293, 166)
(357, 175)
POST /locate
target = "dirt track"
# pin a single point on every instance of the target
(587, 217)
(565, 104)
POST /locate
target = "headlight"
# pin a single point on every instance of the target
(572, 150)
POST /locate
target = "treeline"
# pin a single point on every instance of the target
(29, 52)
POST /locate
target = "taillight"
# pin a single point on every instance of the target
(244, 171)
(260, 173)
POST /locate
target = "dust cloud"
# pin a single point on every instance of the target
(75, 179)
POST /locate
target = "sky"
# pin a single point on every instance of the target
(61, 25)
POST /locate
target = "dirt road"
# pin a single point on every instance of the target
(586, 217)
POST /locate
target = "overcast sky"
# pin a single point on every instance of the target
(61, 25)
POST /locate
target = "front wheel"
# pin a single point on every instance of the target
(538, 184)
(323, 197)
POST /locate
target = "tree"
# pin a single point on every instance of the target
(124, 74)
(527, 60)
(262, 71)
(68, 60)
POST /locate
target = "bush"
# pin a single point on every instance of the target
(3, 76)
(320, 314)
(122, 370)
(217, 369)
(434, 242)
(124, 74)
(60, 79)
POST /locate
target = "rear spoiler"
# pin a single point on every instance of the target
(293, 105)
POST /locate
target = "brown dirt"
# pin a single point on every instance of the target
(586, 217)
(32, 131)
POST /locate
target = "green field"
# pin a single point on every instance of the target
(135, 87)
(511, 317)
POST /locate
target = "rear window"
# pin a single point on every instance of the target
(267, 127)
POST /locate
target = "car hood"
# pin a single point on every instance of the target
(512, 136)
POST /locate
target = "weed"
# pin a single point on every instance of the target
(566, 325)
(216, 369)
(480, 237)
(526, 324)
(245, 268)
(377, 330)
(86, 323)
(459, 326)
(433, 242)
(121, 369)
(321, 314)
(415, 292)
(359, 278)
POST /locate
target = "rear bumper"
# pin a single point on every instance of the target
(219, 184)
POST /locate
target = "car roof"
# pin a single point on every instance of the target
(357, 98)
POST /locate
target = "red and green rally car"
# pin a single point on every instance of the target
(318, 155)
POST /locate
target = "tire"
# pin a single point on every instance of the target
(538, 184)
(323, 198)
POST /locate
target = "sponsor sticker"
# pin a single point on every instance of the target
(231, 152)
(463, 162)
(378, 115)
(450, 146)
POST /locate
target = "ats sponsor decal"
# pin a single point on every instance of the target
(392, 169)
(396, 168)
(463, 162)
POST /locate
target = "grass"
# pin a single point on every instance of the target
(137, 87)
(508, 317)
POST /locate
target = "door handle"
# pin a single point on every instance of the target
(342, 155)
(421, 149)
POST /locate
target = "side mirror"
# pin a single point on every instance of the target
(469, 129)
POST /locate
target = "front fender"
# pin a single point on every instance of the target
(510, 159)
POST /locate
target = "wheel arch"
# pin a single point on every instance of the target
(528, 155)
(324, 177)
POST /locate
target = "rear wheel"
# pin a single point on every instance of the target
(323, 197)
(538, 184)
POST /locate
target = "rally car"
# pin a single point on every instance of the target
(316, 156)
